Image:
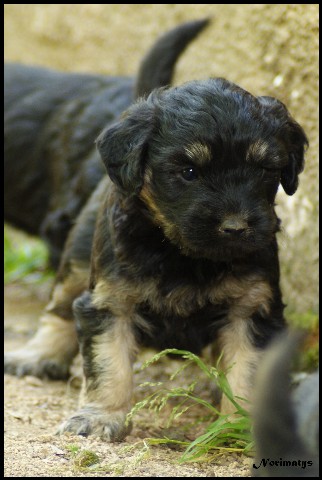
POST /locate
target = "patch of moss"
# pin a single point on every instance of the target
(85, 459)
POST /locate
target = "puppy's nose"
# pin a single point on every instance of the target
(233, 225)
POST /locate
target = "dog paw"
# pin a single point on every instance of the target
(92, 420)
(29, 362)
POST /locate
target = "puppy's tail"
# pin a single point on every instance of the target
(157, 67)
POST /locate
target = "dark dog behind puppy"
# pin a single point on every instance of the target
(51, 120)
(184, 251)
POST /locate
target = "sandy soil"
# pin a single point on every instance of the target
(33, 408)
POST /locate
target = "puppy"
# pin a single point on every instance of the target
(286, 420)
(51, 120)
(184, 252)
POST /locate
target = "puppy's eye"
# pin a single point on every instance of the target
(189, 174)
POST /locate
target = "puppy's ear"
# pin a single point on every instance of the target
(123, 147)
(294, 138)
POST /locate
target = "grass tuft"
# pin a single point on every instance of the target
(225, 433)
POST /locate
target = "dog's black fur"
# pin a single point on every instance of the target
(286, 417)
(51, 120)
(184, 250)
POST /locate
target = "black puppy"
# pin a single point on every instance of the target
(51, 120)
(184, 251)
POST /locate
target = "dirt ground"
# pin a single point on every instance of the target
(33, 409)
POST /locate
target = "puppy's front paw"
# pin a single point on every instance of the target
(29, 361)
(93, 420)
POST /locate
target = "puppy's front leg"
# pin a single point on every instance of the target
(240, 357)
(108, 348)
(255, 317)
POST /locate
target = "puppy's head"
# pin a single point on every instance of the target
(206, 160)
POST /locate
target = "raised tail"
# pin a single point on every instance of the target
(157, 68)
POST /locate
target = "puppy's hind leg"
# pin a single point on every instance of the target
(50, 352)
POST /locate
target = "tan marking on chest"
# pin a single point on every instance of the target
(243, 296)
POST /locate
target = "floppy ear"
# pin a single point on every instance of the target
(296, 144)
(295, 140)
(123, 147)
